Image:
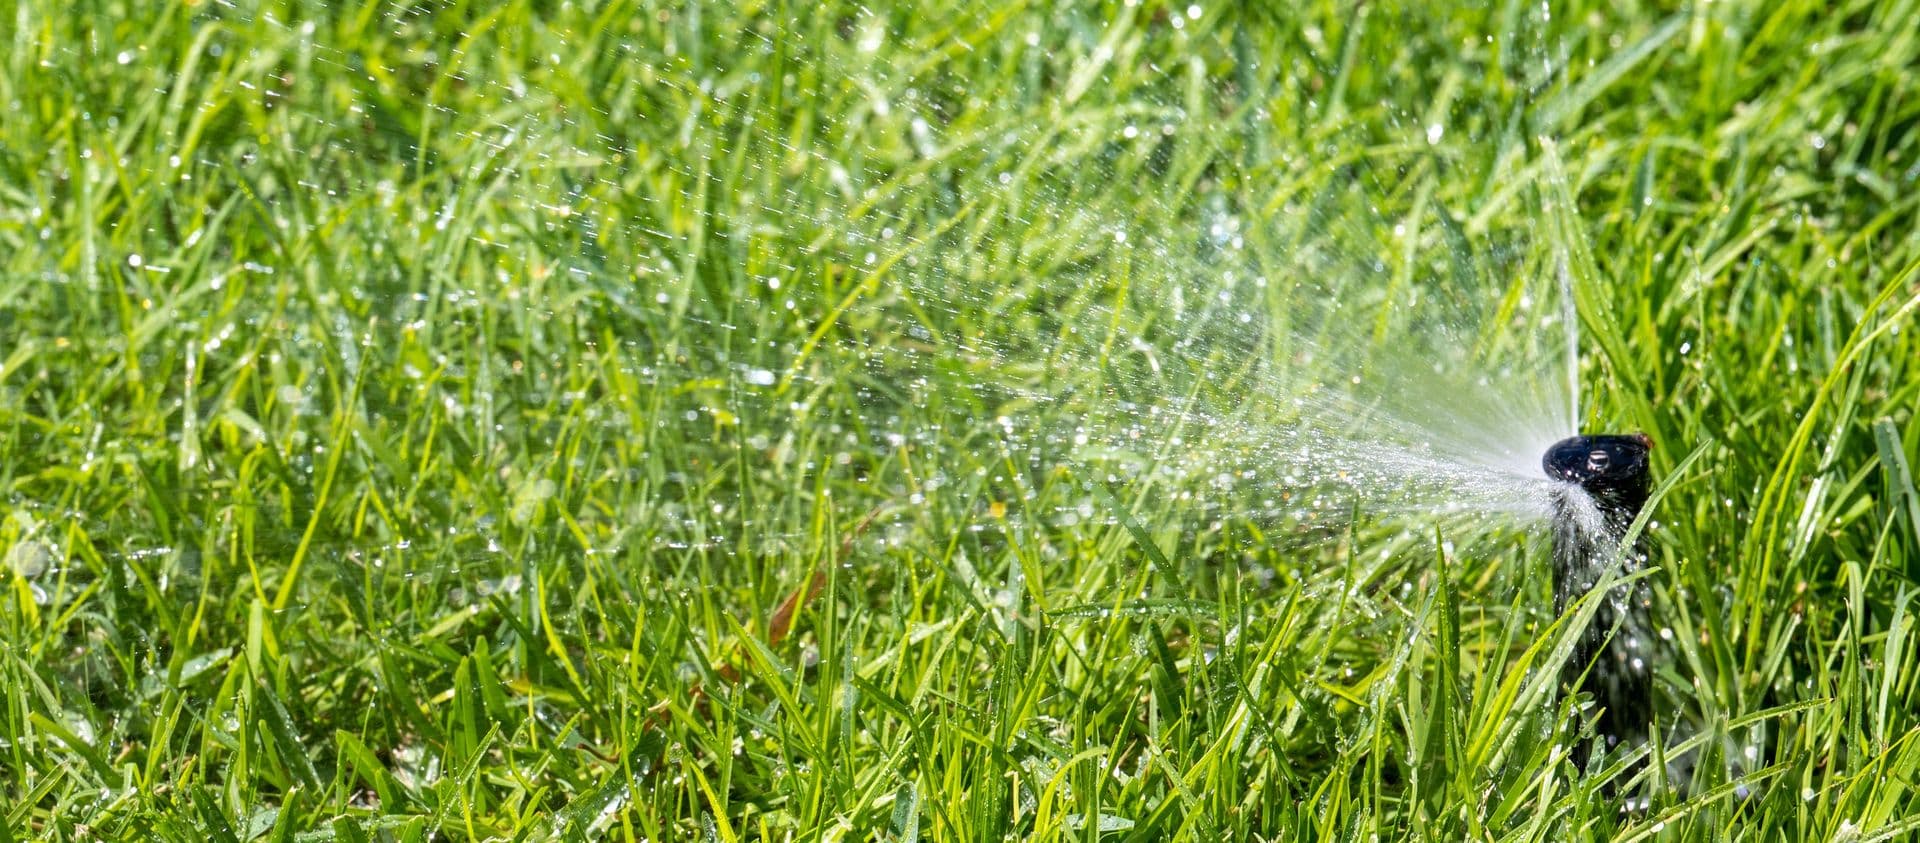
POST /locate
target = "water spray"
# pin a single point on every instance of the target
(1604, 484)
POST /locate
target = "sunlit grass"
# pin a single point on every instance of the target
(434, 422)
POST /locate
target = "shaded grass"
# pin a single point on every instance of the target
(411, 418)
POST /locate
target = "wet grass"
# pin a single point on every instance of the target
(618, 421)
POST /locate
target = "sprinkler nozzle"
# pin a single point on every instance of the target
(1600, 463)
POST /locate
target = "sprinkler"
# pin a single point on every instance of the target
(1604, 485)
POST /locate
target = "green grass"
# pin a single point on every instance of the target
(414, 417)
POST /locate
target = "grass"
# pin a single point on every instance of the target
(428, 420)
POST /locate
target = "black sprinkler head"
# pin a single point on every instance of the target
(1600, 463)
(1611, 655)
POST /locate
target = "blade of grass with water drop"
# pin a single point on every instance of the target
(1141, 537)
(1569, 101)
(1905, 497)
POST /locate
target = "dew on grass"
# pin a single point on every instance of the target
(29, 558)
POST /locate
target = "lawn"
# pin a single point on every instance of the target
(774, 420)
